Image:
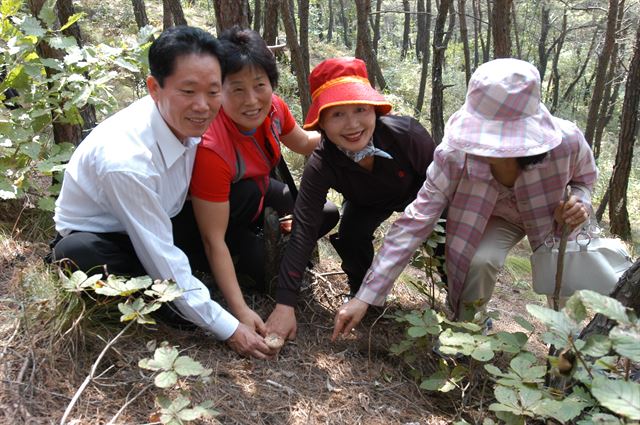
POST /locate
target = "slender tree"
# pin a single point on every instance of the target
(618, 214)
(554, 81)
(437, 85)
(580, 73)
(376, 25)
(257, 16)
(364, 48)
(345, 26)
(297, 61)
(140, 13)
(601, 71)
(545, 25)
(420, 24)
(516, 30)
(501, 27)
(303, 33)
(464, 36)
(426, 49)
(486, 52)
(406, 6)
(331, 20)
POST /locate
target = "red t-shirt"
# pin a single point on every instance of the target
(212, 175)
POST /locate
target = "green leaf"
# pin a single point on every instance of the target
(47, 204)
(63, 43)
(72, 20)
(596, 346)
(129, 66)
(31, 26)
(164, 291)
(48, 13)
(417, 331)
(82, 96)
(483, 352)
(10, 7)
(621, 397)
(166, 379)
(524, 323)
(626, 341)
(563, 411)
(117, 286)
(439, 381)
(602, 304)
(186, 366)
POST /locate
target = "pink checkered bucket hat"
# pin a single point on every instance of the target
(503, 116)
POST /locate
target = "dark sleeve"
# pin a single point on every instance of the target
(420, 147)
(307, 218)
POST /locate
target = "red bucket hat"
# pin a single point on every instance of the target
(341, 81)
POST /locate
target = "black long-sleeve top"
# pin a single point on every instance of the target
(391, 185)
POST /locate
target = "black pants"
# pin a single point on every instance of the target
(354, 241)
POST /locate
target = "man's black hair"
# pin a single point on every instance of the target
(245, 47)
(526, 161)
(175, 42)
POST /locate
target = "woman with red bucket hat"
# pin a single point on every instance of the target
(501, 170)
(378, 163)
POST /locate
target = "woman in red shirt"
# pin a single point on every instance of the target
(231, 182)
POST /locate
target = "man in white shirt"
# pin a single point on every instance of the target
(126, 184)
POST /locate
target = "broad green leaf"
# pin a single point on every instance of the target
(417, 331)
(32, 150)
(52, 63)
(557, 322)
(439, 381)
(74, 281)
(601, 419)
(602, 304)
(63, 42)
(529, 397)
(575, 308)
(48, 13)
(621, 397)
(626, 341)
(186, 366)
(563, 411)
(82, 96)
(179, 403)
(493, 370)
(483, 352)
(164, 291)
(163, 401)
(129, 66)
(596, 346)
(166, 379)
(524, 323)
(10, 7)
(510, 419)
(511, 342)
(31, 26)
(128, 312)
(47, 204)
(72, 20)
(117, 286)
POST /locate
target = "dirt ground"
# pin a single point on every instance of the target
(312, 381)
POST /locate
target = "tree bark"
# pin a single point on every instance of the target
(167, 16)
(618, 214)
(406, 6)
(516, 30)
(501, 28)
(486, 52)
(555, 73)
(451, 25)
(270, 33)
(257, 16)
(437, 86)
(601, 71)
(297, 61)
(464, 36)
(545, 25)
(230, 13)
(364, 48)
(420, 24)
(609, 83)
(426, 53)
(331, 20)
(345, 26)
(177, 13)
(627, 291)
(140, 12)
(580, 72)
(477, 33)
(303, 18)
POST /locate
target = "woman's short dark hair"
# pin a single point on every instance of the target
(245, 47)
(525, 161)
(175, 42)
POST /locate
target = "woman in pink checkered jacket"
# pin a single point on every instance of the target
(501, 170)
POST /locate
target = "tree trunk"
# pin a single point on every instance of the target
(627, 291)
(140, 12)
(451, 25)
(545, 25)
(618, 214)
(609, 83)
(167, 16)
(601, 72)
(486, 52)
(176, 11)
(555, 74)
(331, 20)
(376, 26)
(364, 48)
(437, 86)
(501, 28)
(345, 26)
(580, 72)
(303, 17)
(477, 33)
(406, 6)
(420, 24)
(465, 40)
(71, 133)
(230, 13)
(257, 16)
(297, 61)
(516, 30)
(270, 33)
(426, 53)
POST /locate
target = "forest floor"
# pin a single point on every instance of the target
(312, 381)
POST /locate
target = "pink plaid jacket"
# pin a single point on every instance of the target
(465, 184)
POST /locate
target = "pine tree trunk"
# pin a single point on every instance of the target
(601, 71)
(297, 61)
(257, 16)
(555, 73)
(270, 33)
(545, 25)
(426, 59)
(167, 16)
(230, 13)
(580, 73)
(303, 17)
(618, 214)
(331, 20)
(464, 37)
(437, 85)
(516, 30)
(501, 28)
(420, 24)
(345, 26)
(406, 6)
(364, 48)
(140, 12)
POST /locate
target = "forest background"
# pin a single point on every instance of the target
(67, 65)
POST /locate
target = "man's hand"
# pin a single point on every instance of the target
(251, 319)
(348, 316)
(247, 342)
(282, 322)
(572, 213)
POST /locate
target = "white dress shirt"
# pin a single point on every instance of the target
(131, 174)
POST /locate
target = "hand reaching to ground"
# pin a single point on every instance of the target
(348, 317)
(245, 341)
